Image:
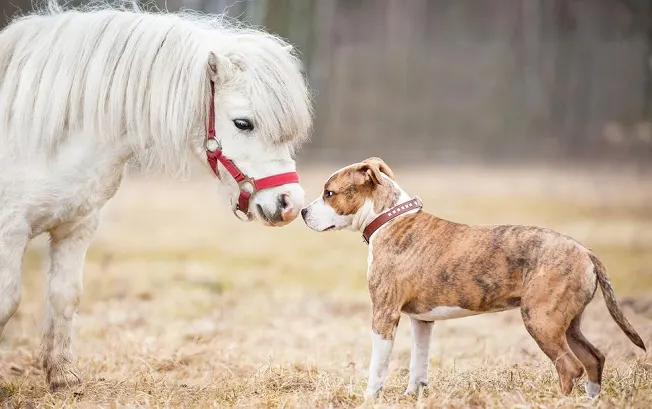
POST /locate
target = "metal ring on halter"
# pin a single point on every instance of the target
(251, 182)
(212, 144)
(241, 214)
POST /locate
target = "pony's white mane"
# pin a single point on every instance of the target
(127, 74)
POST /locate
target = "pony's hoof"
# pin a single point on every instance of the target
(370, 396)
(416, 388)
(62, 377)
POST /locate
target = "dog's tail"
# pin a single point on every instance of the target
(612, 304)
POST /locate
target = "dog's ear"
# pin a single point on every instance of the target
(371, 169)
(380, 165)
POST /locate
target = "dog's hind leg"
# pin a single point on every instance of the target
(588, 354)
(12, 248)
(547, 324)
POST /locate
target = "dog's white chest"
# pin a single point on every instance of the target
(444, 313)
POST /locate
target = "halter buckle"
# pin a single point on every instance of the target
(242, 215)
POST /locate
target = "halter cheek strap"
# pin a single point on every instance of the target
(248, 186)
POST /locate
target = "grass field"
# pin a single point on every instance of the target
(184, 306)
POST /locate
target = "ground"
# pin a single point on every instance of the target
(184, 306)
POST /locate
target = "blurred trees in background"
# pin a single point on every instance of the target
(442, 80)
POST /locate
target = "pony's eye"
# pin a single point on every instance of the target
(243, 124)
(328, 193)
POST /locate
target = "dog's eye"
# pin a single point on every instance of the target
(243, 124)
(328, 193)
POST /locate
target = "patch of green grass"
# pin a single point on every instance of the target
(7, 390)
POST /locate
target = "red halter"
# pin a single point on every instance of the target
(214, 154)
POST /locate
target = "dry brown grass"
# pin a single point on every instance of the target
(185, 307)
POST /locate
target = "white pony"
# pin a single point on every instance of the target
(84, 91)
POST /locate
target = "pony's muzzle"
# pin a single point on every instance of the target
(278, 206)
(287, 208)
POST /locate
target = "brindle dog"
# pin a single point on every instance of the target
(433, 269)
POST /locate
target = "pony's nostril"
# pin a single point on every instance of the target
(284, 201)
(289, 210)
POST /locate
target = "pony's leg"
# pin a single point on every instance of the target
(64, 285)
(12, 247)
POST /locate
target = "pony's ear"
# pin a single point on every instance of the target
(219, 67)
(238, 61)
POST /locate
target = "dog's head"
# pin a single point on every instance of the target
(352, 195)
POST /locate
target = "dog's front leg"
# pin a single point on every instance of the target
(64, 285)
(383, 333)
(419, 358)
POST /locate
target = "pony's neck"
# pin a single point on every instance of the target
(178, 130)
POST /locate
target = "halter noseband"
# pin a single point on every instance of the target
(248, 185)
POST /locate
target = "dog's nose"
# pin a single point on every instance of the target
(304, 211)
